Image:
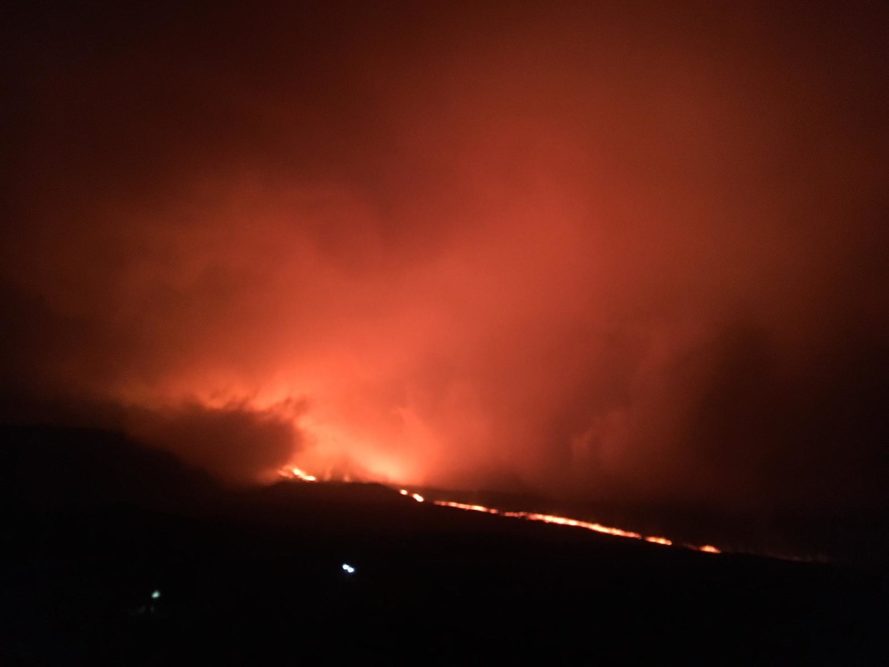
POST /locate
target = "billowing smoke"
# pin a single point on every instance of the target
(608, 252)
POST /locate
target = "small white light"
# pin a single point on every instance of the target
(417, 497)
(155, 594)
(348, 569)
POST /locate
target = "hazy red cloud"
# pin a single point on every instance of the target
(617, 252)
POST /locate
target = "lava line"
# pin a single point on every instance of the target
(574, 523)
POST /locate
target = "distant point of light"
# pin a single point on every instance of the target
(404, 492)
(348, 569)
(155, 594)
(659, 540)
(710, 549)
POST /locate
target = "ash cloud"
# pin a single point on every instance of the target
(614, 253)
(234, 442)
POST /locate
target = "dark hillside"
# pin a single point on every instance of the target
(255, 577)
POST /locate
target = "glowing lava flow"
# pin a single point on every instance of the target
(415, 496)
(575, 523)
(294, 473)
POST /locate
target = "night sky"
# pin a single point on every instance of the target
(628, 252)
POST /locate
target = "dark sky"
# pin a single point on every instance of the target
(628, 251)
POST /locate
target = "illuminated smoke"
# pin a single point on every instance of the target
(582, 250)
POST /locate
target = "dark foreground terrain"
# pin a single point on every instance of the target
(113, 554)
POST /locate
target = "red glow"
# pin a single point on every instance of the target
(574, 523)
(587, 251)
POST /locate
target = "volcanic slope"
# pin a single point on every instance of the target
(115, 554)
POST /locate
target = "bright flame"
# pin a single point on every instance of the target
(296, 473)
(710, 549)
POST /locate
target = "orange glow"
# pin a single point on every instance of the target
(463, 506)
(575, 523)
(566, 521)
(446, 247)
(292, 472)
(297, 474)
